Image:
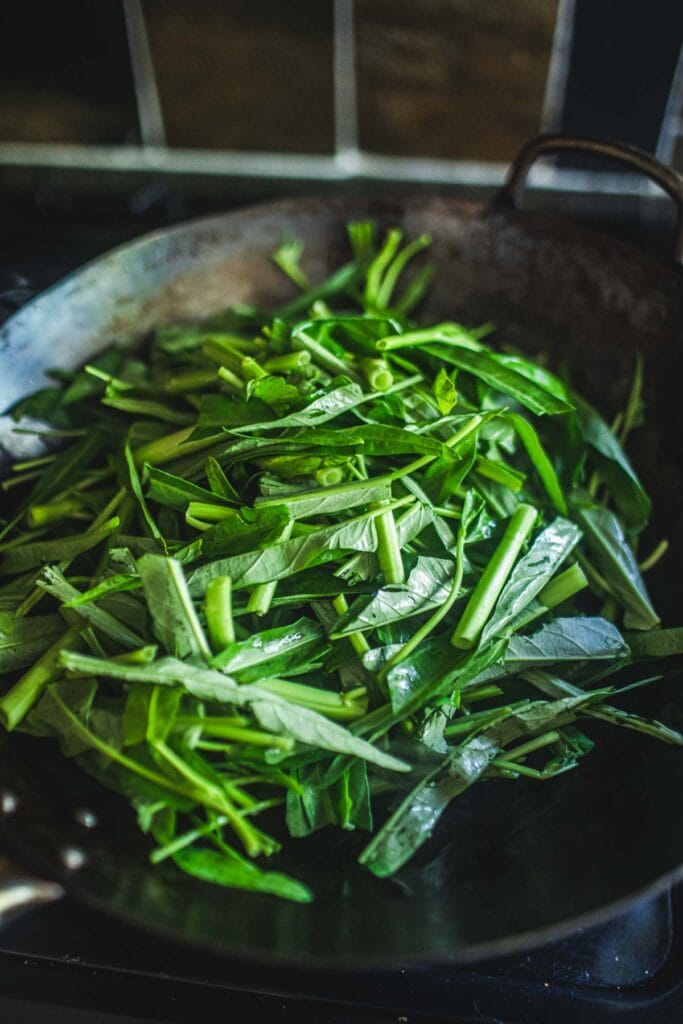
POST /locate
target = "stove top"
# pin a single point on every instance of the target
(66, 963)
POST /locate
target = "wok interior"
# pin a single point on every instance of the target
(510, 859)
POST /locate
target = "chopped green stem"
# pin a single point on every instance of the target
(227, 376)
(170, 447)
(213, 797)
(511, 769)
(218, 612)
(472, 424)
(261, 597)
(379, 265)
(433, 621)
(563, 586)
(538, 743)
(377, 374)
(397, 267)
(251, 370)
(358, 641)
(388, 547)
(593, 576)
(54, 511)
(444, 334)
(21, 478)
(499, 473)
(208, 512)
(329, 476)
(141, 656)
(327, 702)
(222, 353)
(494, 577)
(480, 693)
(224, 728)
(186, 839)
(651, 561)
(447, 513)
(291, 362)
(475, 720)
(21, 697)
(100, 519)
(322, 356)
(44, 460)
(191, 380)
(197, 524)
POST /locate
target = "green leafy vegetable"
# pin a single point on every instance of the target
(327, 566)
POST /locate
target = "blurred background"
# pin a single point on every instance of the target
(140, 112)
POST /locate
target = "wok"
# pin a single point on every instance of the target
(513, 864)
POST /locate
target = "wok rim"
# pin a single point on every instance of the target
(478, 952)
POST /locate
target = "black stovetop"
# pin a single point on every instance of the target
(65, 963)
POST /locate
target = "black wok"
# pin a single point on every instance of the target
(513, 864)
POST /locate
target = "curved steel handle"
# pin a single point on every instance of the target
(19, 891)
(512, 191)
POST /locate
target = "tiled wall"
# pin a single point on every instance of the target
(452, 78)
(455, 79)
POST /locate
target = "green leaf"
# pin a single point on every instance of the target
(568, 639)
(445, 391)
(134, 483)
(176, 623)
(272, 651)
(414, 820)
(539, 460)
(606, 539)
(22, 641)
(321, 410)
(273, 391)
(656, 643)
(427, 586)
(486, 367)
(273, 713)
(378, 439)
(345, 801)
(410, 525)
(325, 501)
(234, 872)
(115, 584)
(290, 556)
(29, 556)
(53, 582)
(173, 491)
(308, 727)
(531, 574)
(241, 533)
(613, 466)
(218, 481)
(223, 411)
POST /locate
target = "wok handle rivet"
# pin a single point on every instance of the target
(72, 858)
(8, 802)
(86, 817)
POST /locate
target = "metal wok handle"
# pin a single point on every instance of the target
(19, 891)
(512, 191)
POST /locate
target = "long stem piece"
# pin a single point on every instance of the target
(388, 546)
(494, 577)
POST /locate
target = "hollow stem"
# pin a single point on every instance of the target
(494, 577)
(388, 546)
(358, 641)
(218, 611)
(19, 700)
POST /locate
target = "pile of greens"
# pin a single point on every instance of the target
(322, 567)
